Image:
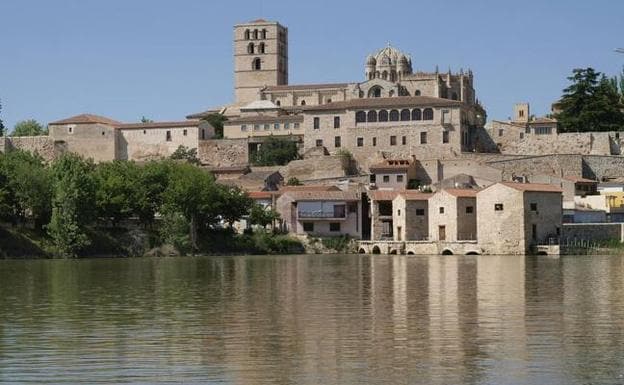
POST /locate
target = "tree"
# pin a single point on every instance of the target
(590, 103)
(152, 181)
(116, 184)
(275, 151)
(28, 127)
(293, 181)
(73, 203)
(260, 215)
(1, 123)
(235, 203)
(216, 120)
(185, 153)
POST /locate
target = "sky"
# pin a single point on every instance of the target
(125, 59)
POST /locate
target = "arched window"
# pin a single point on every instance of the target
(391, 93)
(394, 116)
(246, 34)
(374, 92)
(263, 34)
(255, 34)
(303, 102)
(417, 93)
(427, 114)
(250, 48)
(256, 65)
(383, 116)
(405, 115)
(384, 75)
(360, 117)
(454, 96)
(393, 76)
(416, 114)
(261, 48)
(278, 103)
(371, 116)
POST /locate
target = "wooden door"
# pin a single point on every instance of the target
(442, 233)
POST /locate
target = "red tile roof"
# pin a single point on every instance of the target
(415, 195)
(310, 188)
(384, 195)
(185, 123)
(462, 192)
(391, 164)
(392, 102)
(295, 87)
(537, 187)
(87, 119)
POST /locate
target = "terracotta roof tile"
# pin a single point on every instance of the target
(185, 123)
(462, 192)
(310, 188)
(87, 119)
(391, 164)
(384, 195)
(538, 187)
(576, 179)
(415, 195)
(396, 102)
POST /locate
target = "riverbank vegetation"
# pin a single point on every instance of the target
(73, 207)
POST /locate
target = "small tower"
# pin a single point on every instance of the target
(521, 113)
(260, 58)
(370, 67)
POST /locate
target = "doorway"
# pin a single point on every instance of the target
(442, 233)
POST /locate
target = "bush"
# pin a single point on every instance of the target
(339, 243)
(276, 152)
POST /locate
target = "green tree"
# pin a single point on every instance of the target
(590, 103)
(275, 151)
(73, 203)
(28, 127)
(260, 215)
(1, 123)
(216, 120)
(146, 120)
(116, 184)
(152, 181)
(293, 181)
(234, 202)
(185, 153)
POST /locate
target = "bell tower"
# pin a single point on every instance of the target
(260, 58)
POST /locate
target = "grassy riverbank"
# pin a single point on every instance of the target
(20, 242)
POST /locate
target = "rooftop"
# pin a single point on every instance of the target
(295, 87)
(391, 164)
(537, 187)
(396, 101)
(184, 123)
(462, 192)
(324, 195)
(87, 119)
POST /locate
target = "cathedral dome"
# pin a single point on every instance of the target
(370, 60)
(389, 56)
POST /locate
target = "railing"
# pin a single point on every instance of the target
(321, 215)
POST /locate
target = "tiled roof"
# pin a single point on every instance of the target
(415, 195)
(384, 195)
(310, 188)
(266, 119)
(462, 192)
(295, 87)
(542, 120)
(576, 179)
(391, 164)
(392, 102)
(185, 123)
(324, 195)
(87, 119)
(538, 187)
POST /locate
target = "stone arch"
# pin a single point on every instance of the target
(394, 115)
(447, 252)
(417, 93)
(405, 115)
(383, 116)
(416, 114)
(472, 252)
(393, 252)
(410, 252)
(427, 114)
(375, 92)
(255, 34)
(261, 48)
(361, 251)
(250, 48)
(371, 116)
(247, 34)
(376, 250)
(256, 64)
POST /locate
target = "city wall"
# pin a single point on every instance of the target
(223, 152)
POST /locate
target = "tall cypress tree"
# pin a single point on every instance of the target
(1, 123)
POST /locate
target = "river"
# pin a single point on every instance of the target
(313, 319)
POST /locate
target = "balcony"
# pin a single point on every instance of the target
(320, 215)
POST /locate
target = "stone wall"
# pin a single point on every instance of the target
(316, 167)
(223, 152)
(559, 165)
(42, 145)
(592, 232)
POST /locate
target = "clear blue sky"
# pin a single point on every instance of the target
(166, 59)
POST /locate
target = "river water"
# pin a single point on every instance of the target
(314, 319)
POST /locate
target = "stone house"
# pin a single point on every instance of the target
(453, 215)
(382, 214)
(411, 216)
(513, 217)
(88, 135)
(392, 174)
(320, 212)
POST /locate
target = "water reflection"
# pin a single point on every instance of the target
(314, 319)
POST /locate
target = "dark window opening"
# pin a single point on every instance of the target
(360, 142)
(428, 114)
(308, 226)
(469, 209)
(336, 121)
(498, 207)
(317, 123)
(168, 137)
(394, 116)
(383, 116)
(334, 226)
(360, 117)
(337, 142)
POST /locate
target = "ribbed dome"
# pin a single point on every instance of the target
(389, 56)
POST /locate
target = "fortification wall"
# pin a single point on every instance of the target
(223, 152)
(559, 165)
(599, 167)
(316, 167)
(42, 145)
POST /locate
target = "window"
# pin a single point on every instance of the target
(360, 117)
(404, 140)
(373, 178)
(287, 126)
(534, 207)
(334, 226)
(441, 210)
(263, 34)
(276, 126)
(543, 130)
(256, 127)
(144, 132)
(469, 209)
(416, 114)
(427, 114)
(423, 138)
(70, 129)
(374, 92)
(250, 48)
(498, 207)
(328, 100)
(317, 123)
(417, 93)
(103, 133)
(371, 116)
(420, 212)
(261, 48)
(319, 143)
(308, 226)
(256, 65)
(386, 178)
(337, 142)
(405, 115)
(454, 96)
(246, 34)
(278, 103)
(500, 132)
(374, 142)
(244, 127)
(394, 116)
(534, 231)
(168, 136)
(360, 142)
(336, 121)
(445, 136)
(303, 103)
(522, 135)
(184, 132)
(267, 127)
(203, 134)
(393, 140)
(399, 178)
(296, 125)
(399, 212)
(383, 116)
(521, 113)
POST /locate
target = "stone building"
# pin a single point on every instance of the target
(411, 216)
(514, 217)
(392, 174)
(89, 135)
(453, 215)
